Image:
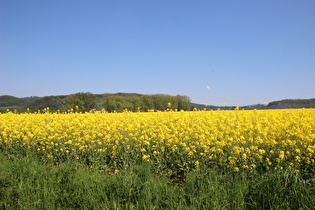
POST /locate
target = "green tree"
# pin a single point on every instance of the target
(109, 102)
(173, 101)
(119, 103)
(159, 102)
(115, 102)
(135, 102)
(146, 102)
(183, 103)
(82, 102)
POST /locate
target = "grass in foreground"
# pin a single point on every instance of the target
(26, 183)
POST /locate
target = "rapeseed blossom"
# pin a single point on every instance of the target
(237, 140)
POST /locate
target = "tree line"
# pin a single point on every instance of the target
(118, 102)
(83, 102)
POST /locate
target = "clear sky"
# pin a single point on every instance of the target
(237, 52)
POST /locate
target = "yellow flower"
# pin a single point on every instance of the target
(146, 157)
(244, 156)
(298, 159)
(228, 138)
(281, 156)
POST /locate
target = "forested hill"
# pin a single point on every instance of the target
(298, 103)
(87, 101)
(282, 104)
(131, 101)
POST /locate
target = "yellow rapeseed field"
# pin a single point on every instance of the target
(239, 140)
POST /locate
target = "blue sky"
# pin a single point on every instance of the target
(217, 51)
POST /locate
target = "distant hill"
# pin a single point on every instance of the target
(285, 104)
(53, 102)
(12, 102)
(129, 94)
(292, 103)
(58, 102)
(282, 104)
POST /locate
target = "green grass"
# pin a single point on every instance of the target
(26, 183)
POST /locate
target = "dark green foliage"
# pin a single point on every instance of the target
(114, 102)
(33, 103)
(183, 102)
(53, 102)
(86, 101)
(133, 102)
(81, 102)
(10, 101)
(292, 103)
(146, 102)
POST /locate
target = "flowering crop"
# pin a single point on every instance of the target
(239, 140)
